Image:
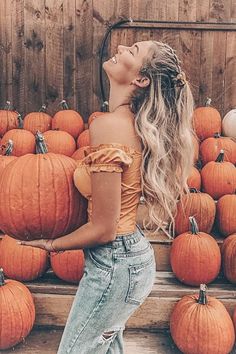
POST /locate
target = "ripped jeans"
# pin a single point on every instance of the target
(118, 276)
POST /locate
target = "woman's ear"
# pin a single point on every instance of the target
(142, 81)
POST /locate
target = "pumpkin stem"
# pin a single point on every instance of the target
(20, 121)
(64, 104)
(193, 225)
(7, 106)
(208, 102)
(41, 147)
(43, 108)
(193, 190)
(217, 135)
(220, 157)
(9, 148)
(202, 295)
(2, 280)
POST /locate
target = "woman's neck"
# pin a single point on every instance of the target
(118, 97)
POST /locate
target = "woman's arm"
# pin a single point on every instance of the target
(106, 202)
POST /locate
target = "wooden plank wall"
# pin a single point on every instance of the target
(49, 49)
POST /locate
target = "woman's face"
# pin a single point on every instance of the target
(125, 65)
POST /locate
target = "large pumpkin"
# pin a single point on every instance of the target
(6, 157)
(219, 177)
(195, 256)
(68, 120)
(229, 124)
(228, 250)
(22, 263)
(38, 198)
(17, 312)
(23, 140)
(201, 205)
(8, 119)
(38, 121)
(226, 214)
(210, 149)
(200, 324)
(60, 142)
(69, 265)
(206, 121)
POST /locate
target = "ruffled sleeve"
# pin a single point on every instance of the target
(107, 159)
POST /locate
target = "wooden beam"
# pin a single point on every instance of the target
(207, 26)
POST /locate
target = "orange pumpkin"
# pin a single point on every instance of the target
(201, 205)
(17, 312)
(79, 153)
(22, 263)
(68, 120)
(201, 324)
(41, 197)
(195, 256)
(228, 250)
(60, 142)
(6, 157)
(83, 139)
(206, 121)
(38, 121)
(210, 149)
(69, 265)
(8, 119)
(219, 177)
(194, 180)
(93, 116)
(226, 214)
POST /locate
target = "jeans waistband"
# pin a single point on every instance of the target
(127, 240)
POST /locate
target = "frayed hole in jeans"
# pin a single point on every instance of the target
(108, 336)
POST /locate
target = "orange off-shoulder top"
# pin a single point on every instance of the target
(113, 157)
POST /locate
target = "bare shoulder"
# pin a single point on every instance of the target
(112, 128)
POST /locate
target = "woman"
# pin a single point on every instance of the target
(143, 145)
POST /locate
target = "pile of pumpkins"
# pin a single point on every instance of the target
(195, 256)
(38, 198)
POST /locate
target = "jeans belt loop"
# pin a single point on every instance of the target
(127, 245)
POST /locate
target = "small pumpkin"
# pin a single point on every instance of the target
(195, 256)
(79, 153)
(228, 250)
(226, 214)
(38, 121)
(83, 139)
(210, 149)
(201, 205)
(201, 324)
(229, 124)
(206, 121)
(6, 156)
(218, 177)
(22, 263)
(68, 120)
(23, 140)
(69, 265)
(194, 180)
(8, 119)
(17, 312)
(43, 185)
(59, 142)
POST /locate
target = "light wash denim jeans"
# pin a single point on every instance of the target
(117, 279)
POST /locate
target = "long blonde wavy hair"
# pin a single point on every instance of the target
(163, 120)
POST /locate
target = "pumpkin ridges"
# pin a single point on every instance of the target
(225, 214)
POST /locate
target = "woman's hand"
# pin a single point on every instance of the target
(44, 244)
